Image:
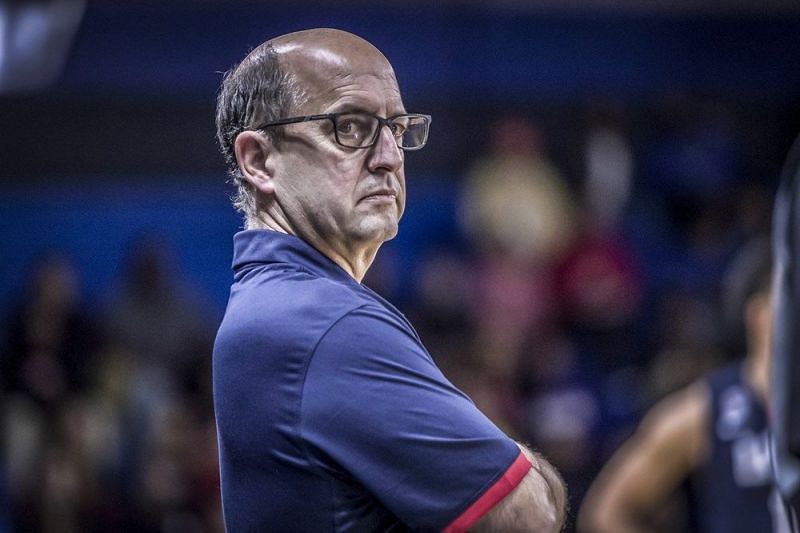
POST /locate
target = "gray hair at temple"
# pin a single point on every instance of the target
(258, 90)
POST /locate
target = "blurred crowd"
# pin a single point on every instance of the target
(108, 421)
(566, 308)
(575, 304)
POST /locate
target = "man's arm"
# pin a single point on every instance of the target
(669, 444)
(538, 503)
(375, 405)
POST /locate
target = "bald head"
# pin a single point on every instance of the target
(306, 52)
(289, 75)
(325, 45)
(313, 58)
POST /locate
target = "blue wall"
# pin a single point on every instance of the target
(96, 224)
(446, 49)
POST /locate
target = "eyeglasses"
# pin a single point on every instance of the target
(361, 130)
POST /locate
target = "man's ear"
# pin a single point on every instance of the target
(252, 155)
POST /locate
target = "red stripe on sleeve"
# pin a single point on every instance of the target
(502, 487)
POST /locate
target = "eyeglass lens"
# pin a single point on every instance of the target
(358, 130)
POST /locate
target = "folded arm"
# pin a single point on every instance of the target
(538, 503)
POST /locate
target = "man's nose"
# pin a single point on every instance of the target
(385, 152)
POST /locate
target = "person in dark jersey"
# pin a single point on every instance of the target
(713, 434)
(331, 414)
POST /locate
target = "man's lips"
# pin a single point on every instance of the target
(381, 195)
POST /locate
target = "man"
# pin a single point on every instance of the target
(712, 434)
(331, 414)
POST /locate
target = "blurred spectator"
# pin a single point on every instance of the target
(518, 211)
(712, 434)
(154, 313)
(601, 292)
(609, 163)
(599, 277)
(51, 345)
(516, 203)
(159, 339)
(51, 340)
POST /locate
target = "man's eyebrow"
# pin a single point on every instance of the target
(347, 107)
(352, 108)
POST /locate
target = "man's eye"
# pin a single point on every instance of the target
(399, 127)
(353, 125)
(346, 126)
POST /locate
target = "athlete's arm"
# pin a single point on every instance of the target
(536, 504)
(669, 444)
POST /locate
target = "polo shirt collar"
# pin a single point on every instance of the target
(267, 246)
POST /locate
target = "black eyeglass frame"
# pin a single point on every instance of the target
(333, 117)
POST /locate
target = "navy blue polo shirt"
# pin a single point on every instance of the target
(331, 414)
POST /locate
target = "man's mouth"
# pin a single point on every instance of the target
(381, 196)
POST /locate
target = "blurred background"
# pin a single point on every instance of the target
(593, 169)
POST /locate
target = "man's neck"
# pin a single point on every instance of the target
(355, 262)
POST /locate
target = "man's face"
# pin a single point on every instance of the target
(346, 197)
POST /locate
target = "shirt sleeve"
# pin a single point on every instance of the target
(376, 406)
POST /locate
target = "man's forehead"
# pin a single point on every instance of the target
(311, 62)
(327, 52)
(336, 41)
(334, 67)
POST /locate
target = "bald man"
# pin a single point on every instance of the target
(331, 414)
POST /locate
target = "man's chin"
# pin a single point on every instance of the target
(378, 229)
